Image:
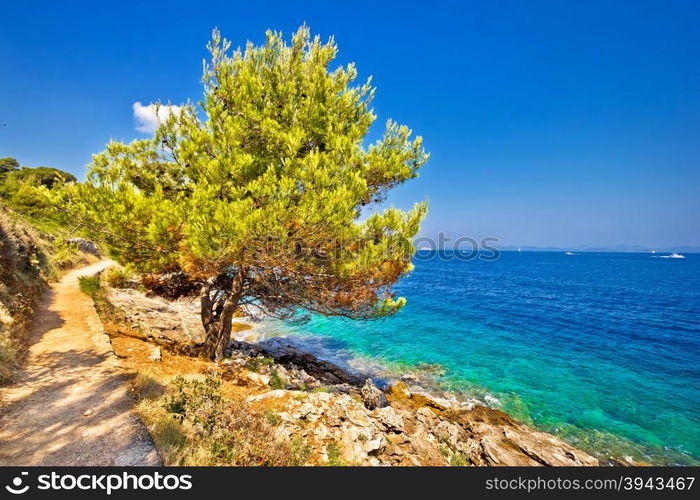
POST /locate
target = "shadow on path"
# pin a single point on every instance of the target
(69, 404)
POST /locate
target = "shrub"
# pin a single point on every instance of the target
(170, 285)
(147, 387)
(300, 452)
(226, 431)
(458, 460)
(89, 285)
(272, 418)
(255, 364)
(25, 188)
(65, 254)
(198, 401)
(8, 352)
(276, 381)
(335, 457)
(119, 277)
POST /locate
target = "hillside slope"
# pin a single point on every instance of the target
(29, 259)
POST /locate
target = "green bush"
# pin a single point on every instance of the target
(26, 190)
(119, 277)
(89, 285)
(8, 165)
(198, 401)
(272, 418)
(458, 460)
(64, 254)
(276, 381)
(254, 364)
(335, 457)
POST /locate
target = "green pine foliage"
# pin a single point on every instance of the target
(8, 165)
(258, 193)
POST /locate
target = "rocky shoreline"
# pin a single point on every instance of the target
(344, 415)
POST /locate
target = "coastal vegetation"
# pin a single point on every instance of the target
(24, 189)
(34, 249)
(256, 196)
(29, 260)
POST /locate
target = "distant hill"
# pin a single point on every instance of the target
(607, 248)
(18, 186)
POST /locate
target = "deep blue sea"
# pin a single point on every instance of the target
(601, 349)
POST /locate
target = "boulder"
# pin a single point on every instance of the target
(155, 354)
(389, 419)
(84, 245)
(372, 397)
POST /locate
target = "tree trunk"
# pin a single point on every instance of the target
(217, 314)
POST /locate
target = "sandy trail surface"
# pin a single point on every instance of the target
(70, 403)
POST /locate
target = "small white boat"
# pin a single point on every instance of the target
(674, 255)
(424, 248)
(569, 253)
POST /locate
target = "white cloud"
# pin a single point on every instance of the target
(146, 119)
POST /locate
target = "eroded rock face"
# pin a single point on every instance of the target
(168, 321)
(497, 439)
(325, 420)
(389, 420)
(409, 432)
(371, 396)
(288, 355)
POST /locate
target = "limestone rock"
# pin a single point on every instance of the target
(389, 419)
(409, 377)
(155, 354)
(372, 397)
(259, 379)
(84, 245)
(450, 434)
(166, 320)
(503, 441)
(275, 394)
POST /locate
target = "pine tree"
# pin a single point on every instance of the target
(257, 195)
(8, 165)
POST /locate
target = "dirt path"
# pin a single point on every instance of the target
(70, 403)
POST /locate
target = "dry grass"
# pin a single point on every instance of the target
(148, 387)
(193, 423)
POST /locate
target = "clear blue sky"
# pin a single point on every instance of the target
(557, 123)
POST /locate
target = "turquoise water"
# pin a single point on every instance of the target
(602, 349)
